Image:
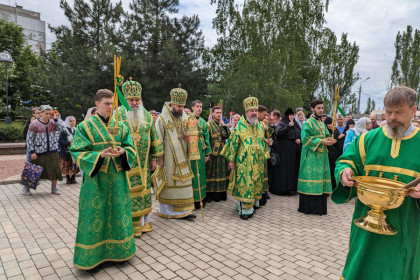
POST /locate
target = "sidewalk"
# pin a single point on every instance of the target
(11, 167)
(37, 236)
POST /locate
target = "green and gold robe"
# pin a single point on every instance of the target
(105, 228)
(199, 166)
(314, 171)
(246, 147)
(147, 146)
(217, 173)
(371, 255)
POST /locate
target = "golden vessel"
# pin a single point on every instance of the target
(379, 194)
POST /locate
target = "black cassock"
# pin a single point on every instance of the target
(334, 152)
(285, 174)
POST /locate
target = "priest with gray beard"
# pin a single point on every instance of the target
(246, 151)
(149, 150)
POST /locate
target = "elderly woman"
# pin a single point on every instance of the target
(43, 146)
(235, 120)
(361, 126)
(288, 147)
(300, 118)
(67, 165)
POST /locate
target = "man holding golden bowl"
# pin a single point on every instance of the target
(392, 153)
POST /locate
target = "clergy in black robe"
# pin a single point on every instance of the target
(288, 147)
(335, 151)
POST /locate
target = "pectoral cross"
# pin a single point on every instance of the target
(135, 137)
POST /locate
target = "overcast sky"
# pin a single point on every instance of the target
(372, 24)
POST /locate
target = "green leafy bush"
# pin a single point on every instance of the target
(12, 132)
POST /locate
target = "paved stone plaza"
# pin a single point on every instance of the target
(37, 236)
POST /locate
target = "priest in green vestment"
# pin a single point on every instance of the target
(176, 199)
(148, 149)
(199, 166)
(314, 181)
(246, 151)
(217, 172)
(105, 228)
(391, 152)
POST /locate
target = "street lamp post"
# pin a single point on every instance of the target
(360, 94)
(5, 57)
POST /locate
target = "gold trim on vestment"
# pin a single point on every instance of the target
(176, 201)
(156, 143)
(314, 193)
(102, 261)
(246, 200)
(141, 213)
(416, 130)
(108, 241)
(82, 154)
(97, 129)
(174, 216)
(349, 162)
(158, 155)
(94, 164)
(105, 143)
(217, 179)
(310, 139)
(184, 208)
(390, 169)
(92, 140)
(139, 194)
(314, 181)
(395, 147)
(362, 148)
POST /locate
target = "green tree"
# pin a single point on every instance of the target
(164, 50)
(80, 61)
(370, 105)
(406, 66)
(266, 49)
(277, 50)
(337, 62)
(23, 74)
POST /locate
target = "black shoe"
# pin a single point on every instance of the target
(255, 207)
(73, 179)
(68, 180)
(267, 196)
(189, 217)
(244, 217)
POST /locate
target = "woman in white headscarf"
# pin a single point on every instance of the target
(300, 118)
(362, 126)
(67, 164)
(91, 112)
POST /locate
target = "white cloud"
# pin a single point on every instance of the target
(373, 25)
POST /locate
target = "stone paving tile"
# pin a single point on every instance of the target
(11, 166)
(37, 236)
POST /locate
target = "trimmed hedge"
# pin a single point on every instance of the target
(12, 132)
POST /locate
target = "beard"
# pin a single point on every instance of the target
(253, 121)
(396, 131)
(136, 117)
(176, 113)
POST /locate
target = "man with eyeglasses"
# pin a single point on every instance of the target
(36, 113)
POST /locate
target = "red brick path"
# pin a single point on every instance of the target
(11, 166)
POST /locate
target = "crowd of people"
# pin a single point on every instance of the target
(196, 162)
